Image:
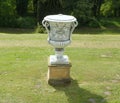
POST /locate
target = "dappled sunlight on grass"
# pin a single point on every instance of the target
(16, 31)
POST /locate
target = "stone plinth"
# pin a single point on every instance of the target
(59, 74)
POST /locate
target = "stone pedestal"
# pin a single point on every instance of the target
(59, 74)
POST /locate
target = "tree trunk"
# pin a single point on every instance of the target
(115, 12)
(96, 7)
(99, 3)
(47, 8)
(119, 12)
(21, 7)
(35, 7)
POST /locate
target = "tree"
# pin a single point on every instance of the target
(35, 2)
(7, 12)
(96, 7)
(47, 7)
(21, 7)
(111, 8)
(82, 11)
(116, 8)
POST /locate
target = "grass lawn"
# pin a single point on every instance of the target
(95, 69)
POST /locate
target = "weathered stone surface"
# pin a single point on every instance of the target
(59, 74)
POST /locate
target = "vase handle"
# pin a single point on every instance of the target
(46, 25)
(76, 23)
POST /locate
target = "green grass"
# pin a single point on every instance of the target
(95, 69)
(98, 31)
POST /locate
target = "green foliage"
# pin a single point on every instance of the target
(111, 8)
(25, 13)
(47, 7)
(8, 21)
(110, 22)
(82, 11)
(7, 7)
(26, 22)
(106, 9)
(94, 23)
(21, 7)
(7, 13)
(20, 22)
(68, 6)
(40, 29)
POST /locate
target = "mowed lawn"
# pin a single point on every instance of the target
(95, 69)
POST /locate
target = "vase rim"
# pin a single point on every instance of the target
(60, 18)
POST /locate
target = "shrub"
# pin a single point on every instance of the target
(8, 21)
(17, 22)
(40, 29)
(82, 11)
(26, 22)
(94, 23)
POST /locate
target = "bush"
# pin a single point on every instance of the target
(40, 29)
(82, 11)
(26, 22)
(94, 23)
(8, 21)
(110, 22)
(17, 22)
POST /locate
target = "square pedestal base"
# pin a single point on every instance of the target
(59, 74)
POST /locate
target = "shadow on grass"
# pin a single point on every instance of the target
(80, 30)
(75, 94)
(16, 31)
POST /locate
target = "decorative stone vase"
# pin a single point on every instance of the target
(59, 28)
